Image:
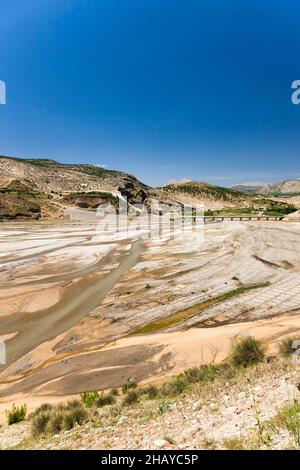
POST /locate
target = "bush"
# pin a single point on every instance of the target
(73, 416)
(39, 423)
(234, 443)
(151, 391)
(285, 347)
(55, 422)
(131, 397)
(205, 373)
(105, 399)
(163, 407)
(175, 386)
(114, 392)
(16, 414)
(43, 408)
(74, 404)
(89, 398)
(290, 417)
(52, 420)
(128, 386)
(248, 351)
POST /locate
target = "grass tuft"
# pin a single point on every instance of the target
(247, 351)
(131, 397)
(16, 414)
(287, 346)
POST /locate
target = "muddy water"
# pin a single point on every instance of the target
(80, 299)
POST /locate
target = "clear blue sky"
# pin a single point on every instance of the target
(162, 89)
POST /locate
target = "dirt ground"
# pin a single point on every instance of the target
(71, 301)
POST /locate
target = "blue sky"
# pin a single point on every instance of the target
(163, 89)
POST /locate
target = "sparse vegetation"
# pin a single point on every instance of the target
(208, 443)
(53, 419)
(16, 414)
(131, 397)
(90, 398)
(286, 348)
(105, 399)
(41, 409)
(234, 443)
(289, 418)
(151, 391)
(129, 386)
(163, 407)
(205, 373)
(247, 351)
(209, 191)
(184, 314)
(175, 386)
(204, 383)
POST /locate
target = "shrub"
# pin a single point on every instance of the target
(16, 414)
(73, 416)
(163, 407)
(41, 409)
(56, 418)
(246, 352)
(175, 387)
(114, 392)
(205, 373)
(151, 391)
(55, 422)
(285, 347)
(234, 443)
(290, 418)
(105, 399)
(39, 423)
(89, 398)
(128, 386)
(74, 404)
(131, 397)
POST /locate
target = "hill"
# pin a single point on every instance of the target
(289, 188)
(46, 189)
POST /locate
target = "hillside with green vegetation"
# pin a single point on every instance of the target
(203, 190)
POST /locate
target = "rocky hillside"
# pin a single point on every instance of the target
(289, 188)
(211, 407)
(34, 188)
(42, 188)
(50, 176)
(194, 191)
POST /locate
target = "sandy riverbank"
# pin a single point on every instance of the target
(116, 291)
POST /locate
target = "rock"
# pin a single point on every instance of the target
(160, 443)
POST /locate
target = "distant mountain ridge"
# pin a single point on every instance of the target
(288, 187)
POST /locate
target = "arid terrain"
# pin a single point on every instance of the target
(82, 311)
(84, 307)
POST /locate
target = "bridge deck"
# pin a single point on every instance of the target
(240, 218)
